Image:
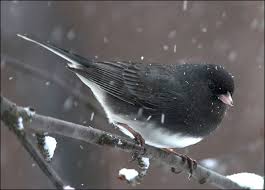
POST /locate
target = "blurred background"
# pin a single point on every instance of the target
(227, 33)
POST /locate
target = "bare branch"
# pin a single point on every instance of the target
(10, 113)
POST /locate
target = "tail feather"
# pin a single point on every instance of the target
(75, 61)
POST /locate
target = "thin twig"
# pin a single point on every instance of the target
(47, 168)
(10, 113)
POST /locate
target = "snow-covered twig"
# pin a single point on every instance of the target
(10, 113)
(46, 145)
(68, 187)
(132, 176)
(143, 163)
(10, 119)
(248, 180)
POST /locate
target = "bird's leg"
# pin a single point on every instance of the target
(137, 136)
(169, 150)
(192, 164)
(138, 139)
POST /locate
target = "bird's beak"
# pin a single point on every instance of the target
(226, 99)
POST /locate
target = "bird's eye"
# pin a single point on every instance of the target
(210, 84)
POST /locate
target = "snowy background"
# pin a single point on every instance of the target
(227, 33)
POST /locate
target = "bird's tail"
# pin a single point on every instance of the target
(75, 61)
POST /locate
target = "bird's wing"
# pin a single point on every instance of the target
(134, 83)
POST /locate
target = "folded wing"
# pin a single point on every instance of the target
(143, 85)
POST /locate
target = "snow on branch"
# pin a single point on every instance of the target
(132, 176)
(10, 113)
(16, 118)
(248, 180)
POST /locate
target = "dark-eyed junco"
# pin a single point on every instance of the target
(168, 105)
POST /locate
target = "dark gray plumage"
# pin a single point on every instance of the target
(170, 105)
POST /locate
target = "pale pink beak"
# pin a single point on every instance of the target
(226, 99)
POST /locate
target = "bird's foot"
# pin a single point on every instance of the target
(137, 138)
(192, 164)
(140, 141)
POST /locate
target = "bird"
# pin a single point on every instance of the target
(166, 105)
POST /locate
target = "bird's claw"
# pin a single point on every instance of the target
(192, 164)
(141, 142)
(137, 136)
(139, 139)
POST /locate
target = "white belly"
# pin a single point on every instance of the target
(99, 94)
(153, 135)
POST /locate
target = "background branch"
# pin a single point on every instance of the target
(47, 76)
(11, 122)
(10, 113)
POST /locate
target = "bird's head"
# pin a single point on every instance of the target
(221, 83)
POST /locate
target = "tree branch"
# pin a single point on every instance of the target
(10, 113)
(10, 121)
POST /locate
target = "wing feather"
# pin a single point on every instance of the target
(134, 83)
